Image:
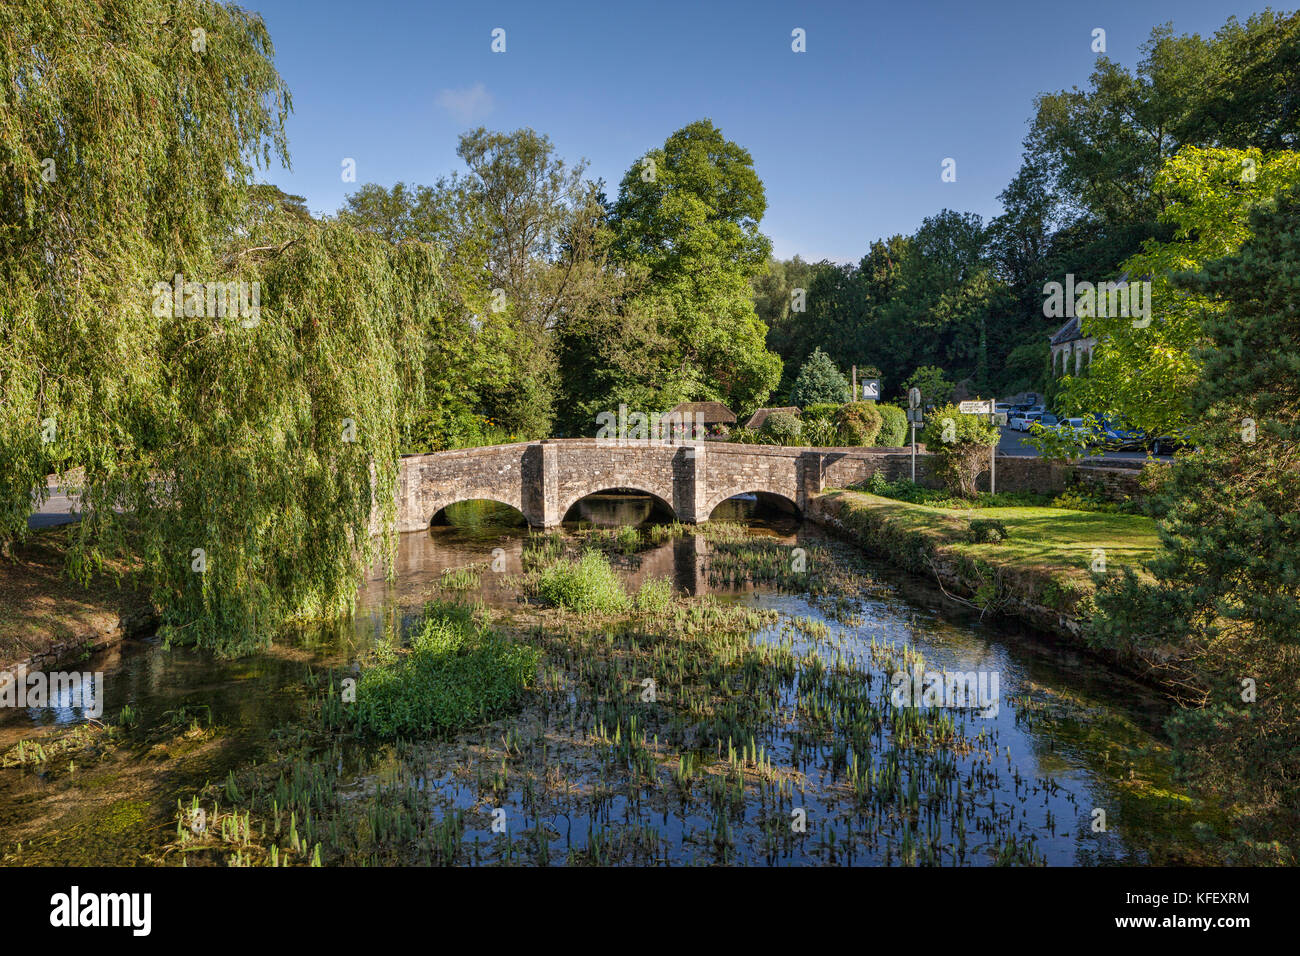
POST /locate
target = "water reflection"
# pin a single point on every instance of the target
(254, 697)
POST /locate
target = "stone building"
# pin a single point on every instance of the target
(1071, 349)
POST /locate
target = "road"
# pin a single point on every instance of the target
(1017, 443)
(58, 509)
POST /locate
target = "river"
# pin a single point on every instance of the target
(1062, 764)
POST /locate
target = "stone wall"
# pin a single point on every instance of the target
(1118, 484)
(428, 483)
(544, 479)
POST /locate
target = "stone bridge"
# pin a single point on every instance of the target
(543, 480)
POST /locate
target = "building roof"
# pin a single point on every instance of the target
(1068, 332)
(711, 413)
(756, 420)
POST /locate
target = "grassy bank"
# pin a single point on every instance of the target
(1036, 563)
(48, 614)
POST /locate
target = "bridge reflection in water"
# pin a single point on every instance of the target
(477, 533)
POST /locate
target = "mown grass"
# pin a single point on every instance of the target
(1039, 538)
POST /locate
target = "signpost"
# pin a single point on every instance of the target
(871, 389)
(981, 407)
(914, 417)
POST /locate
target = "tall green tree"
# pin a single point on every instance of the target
(1223, 604)
(819, 382)
(688, 214)
(230, 377)
(125, 152)
(525, 246)
(1146, 368)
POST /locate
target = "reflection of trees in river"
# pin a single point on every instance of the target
(614, 510)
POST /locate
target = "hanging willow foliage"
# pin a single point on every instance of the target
(232, 449)
(260, 502)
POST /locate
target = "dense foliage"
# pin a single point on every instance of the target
(819, 382)
(1147, 372)
(455, 673)
(960, 445)
(228, 376)
(1226, 591)
(858, 423)
(894, 429)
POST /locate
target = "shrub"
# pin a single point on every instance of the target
(821, 433)
(960, 444)
(819, 381)
(894, 429)
(987, 531)
(820, 411)
(654, 595)
(456, 673)
(586, 585)
(858, 422)
(819, 428)
(781, 428)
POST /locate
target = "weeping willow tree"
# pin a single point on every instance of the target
(227, 383)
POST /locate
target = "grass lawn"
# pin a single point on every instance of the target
(1057, 540)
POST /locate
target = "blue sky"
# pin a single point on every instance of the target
(847, 137)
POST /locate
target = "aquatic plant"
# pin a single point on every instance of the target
(457, 672)
(586, 585)
(654, 595)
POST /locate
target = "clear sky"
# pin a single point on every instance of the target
(847, 137)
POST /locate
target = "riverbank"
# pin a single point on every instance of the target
(725, 696)
(48, 617)
(1041, 573)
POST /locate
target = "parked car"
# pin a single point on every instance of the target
(1023, 420)
(1080, 428)
(1114, 436)
(1165, 445)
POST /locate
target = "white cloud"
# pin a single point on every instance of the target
(466, 105)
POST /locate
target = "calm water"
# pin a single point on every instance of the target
(1090, 742)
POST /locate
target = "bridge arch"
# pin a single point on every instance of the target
(658, 499)
(439, 516)
(783, 500)
(784, 490)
